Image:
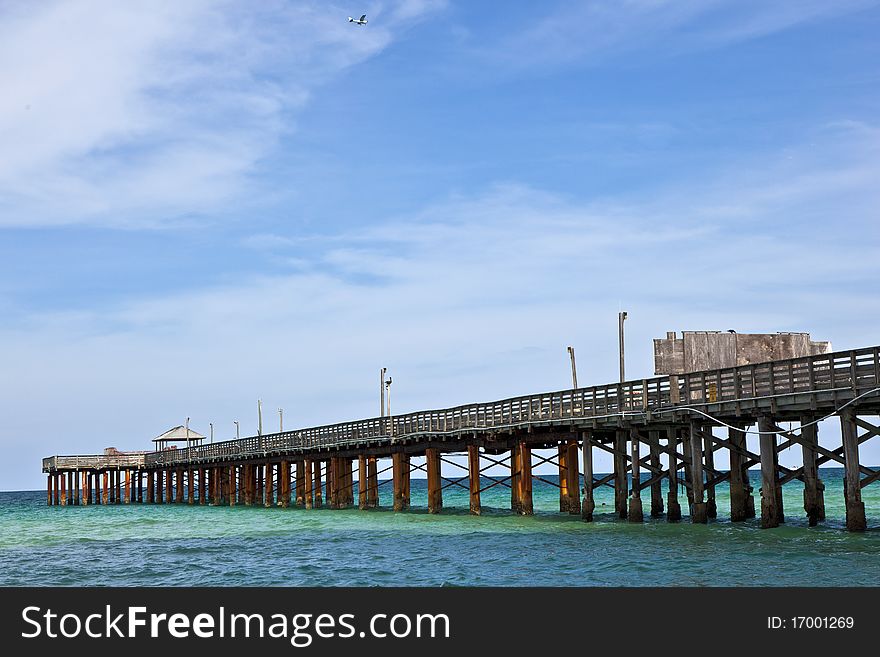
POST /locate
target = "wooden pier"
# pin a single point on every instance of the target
(636, 422)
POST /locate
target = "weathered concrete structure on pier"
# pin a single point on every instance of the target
(636, 422)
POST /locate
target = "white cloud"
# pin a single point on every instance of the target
(144, 113)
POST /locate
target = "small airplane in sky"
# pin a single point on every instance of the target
(359, 21)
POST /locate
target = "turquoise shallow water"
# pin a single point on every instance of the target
(179, 545)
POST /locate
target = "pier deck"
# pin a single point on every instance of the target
(673, 416)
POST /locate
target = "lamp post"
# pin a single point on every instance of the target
(621, 318)
(237, 432)
(388, 401)
(574, 376)
(186, 424)
(281, 420)
(259, 417)
(211, 431)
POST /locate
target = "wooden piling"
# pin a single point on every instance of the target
(435, 490)
(742, 505)
(151, 490)
(284, 483)
(105, 495)
(127, 492)
(118, 486)
(526, 500)
(573, 477)
(698, 507)
(852, 485)
(814, 489)
(771, 492)
(673, 508)
(63, 490)
(654, 460)
(308, 498)
(300, 499)
(316, 489)
(474, 479)
(400, 472)
(362, 482)
(515, 469)
(564, 497)
(620, 487)
(231, 485)
(49, 490)
(635, 513)
(373, 482)
(269, 485)
(588, 505)
(190, 487)
(709, 461)
(332, 483)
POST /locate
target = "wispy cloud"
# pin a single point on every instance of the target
(145, 113)
(589, 31)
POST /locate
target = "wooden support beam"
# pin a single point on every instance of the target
(105, 494)
(308, 493)
(435, 489)
(269, 485)
(573, 477)
(635, 513)
(190, 487)
(515, 504)
(127, 492)
(709, 463)
(620, 470)
(564, 496)
(852, 490)
(698, 506)
(771, 490)
(62, 477)
(151, 487)
(742, 503)
(49, 490)
(400, 471)
(317, 487)
(373, 482)
(656, 486)
(232, 491)
(589, 504)
(673, 508)
(300, 499)
(363, 483)
(526, 500)
(284, 484)
(474, 479)
(814, 489)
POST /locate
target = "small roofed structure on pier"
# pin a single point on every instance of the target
(696, 351)
(179, 434)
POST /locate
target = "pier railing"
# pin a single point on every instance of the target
(854, 371)
(94, 462)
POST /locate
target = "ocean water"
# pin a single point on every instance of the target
(181, 545)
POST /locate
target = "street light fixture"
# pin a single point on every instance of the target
(237, 432)
(281, 420)
(388, 401)
(621, 318)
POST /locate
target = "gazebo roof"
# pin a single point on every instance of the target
(179, 434)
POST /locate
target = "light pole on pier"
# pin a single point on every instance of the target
(621, 318)
(211, 431)
(388, 401)
(237, 432)
(281, 420)
(574, 375)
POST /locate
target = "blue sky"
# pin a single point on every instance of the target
(205, 204)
